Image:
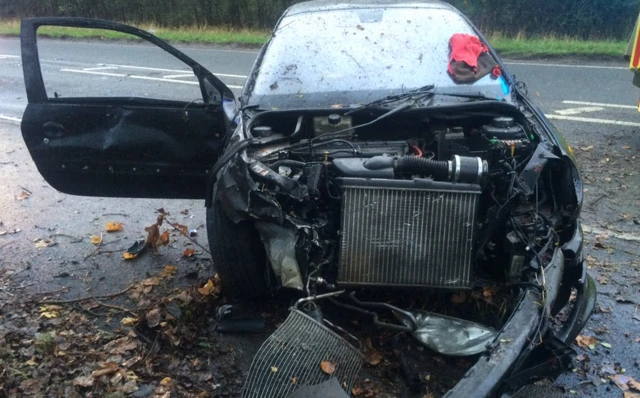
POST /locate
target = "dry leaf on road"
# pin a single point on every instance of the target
(327, 367)
(207, 289)
(189, 252)
(586, 342)
(114, 226)
(83, 381)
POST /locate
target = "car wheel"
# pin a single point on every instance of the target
(238, 255)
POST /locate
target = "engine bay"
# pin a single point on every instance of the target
(439, 200)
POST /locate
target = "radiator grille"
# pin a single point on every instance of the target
(291, 358)
(397, 233)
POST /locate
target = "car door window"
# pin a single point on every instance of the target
(111, 64)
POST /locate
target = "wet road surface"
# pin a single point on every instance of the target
(593, 105)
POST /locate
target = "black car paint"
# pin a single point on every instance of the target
(46, 121)
(131, 147)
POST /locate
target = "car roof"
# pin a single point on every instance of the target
(331, 5)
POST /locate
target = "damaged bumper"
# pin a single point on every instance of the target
(526, 349)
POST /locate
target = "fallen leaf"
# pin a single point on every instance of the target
(374, 358)
(458, 298)
(168, 271)
(327, 367)
(153, 317)
(167, 381)
(83, 381)
(128, 321)
(106, 368)
(114, 226)
(207, 289)
(587, 148)
(586, 342)
(24, 195)
(633, 384)
(129, 387)
(294, 380)
(606, 345)
(627, 394)
(31, 362)
(189, 252)
(489, 291)
(50, 311)
(184, 230)
(164, 238)
(135, 249)
(602, 279)
(40, 243)
(274, 369)
(621, 381)
(96, 240)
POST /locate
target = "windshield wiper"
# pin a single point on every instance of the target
(469, 95)
(415, 95)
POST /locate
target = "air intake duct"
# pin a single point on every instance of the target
(458, 169)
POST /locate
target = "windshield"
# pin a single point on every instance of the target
(353, 56)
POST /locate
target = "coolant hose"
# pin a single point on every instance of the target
(438, 169)
(458, 169)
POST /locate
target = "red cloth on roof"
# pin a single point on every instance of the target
(465, 48)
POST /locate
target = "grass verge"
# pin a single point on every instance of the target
(516, 46)
(520, 46)
(180, 35)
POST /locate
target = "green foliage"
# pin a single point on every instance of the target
(583, 19)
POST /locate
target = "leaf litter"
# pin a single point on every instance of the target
(159, 341)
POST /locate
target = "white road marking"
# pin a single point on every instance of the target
(102, 68)
(89, 72)
(590, 120)
(567, 66)
(576, 111)
(177, 76)
(160, 79)
(2, 56)
(601, 104)
(11, 119)
(598, 231)
(174, 70)
(172, 80)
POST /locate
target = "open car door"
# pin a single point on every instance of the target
(127, 143)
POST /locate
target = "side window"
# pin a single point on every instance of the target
(80, 62)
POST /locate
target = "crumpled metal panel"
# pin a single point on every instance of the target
(290, 358)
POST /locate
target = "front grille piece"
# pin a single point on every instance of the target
(290, 358)
(407, 233)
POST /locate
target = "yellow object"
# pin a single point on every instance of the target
(634, 63)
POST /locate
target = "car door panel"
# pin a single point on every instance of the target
(122, 147)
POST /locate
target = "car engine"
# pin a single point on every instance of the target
(422, 200)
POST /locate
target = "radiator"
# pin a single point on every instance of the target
(407, 233)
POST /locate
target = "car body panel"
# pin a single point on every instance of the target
(122, 147)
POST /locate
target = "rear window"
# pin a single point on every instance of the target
(353, 56)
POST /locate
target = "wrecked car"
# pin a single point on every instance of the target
(379, 159)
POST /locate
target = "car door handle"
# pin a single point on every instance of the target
(53, 130)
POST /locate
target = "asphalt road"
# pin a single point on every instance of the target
(593, 104)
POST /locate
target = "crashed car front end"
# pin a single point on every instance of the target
(434, 204)
(383, 209)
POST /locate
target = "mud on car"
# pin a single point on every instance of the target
(380, 162)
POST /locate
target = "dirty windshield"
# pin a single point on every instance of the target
(354, 56)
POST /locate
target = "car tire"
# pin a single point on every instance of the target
(238, 255)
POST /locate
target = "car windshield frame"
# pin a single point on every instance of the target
(293, 70)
